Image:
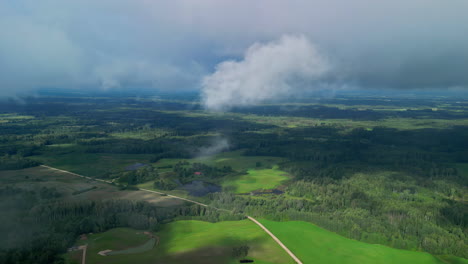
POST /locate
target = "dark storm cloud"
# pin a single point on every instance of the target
(177, 44)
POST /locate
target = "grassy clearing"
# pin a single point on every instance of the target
(117, 239)
(257, 180)
(188, 242)
(315, 245)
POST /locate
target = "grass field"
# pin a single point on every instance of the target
(117, 239)
(147, 246)
(188, 242)
(257, 180)
(315, 245)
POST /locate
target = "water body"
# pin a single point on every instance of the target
(200, 188)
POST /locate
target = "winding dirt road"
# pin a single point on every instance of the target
(296, 259)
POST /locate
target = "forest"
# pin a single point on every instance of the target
(354, 166)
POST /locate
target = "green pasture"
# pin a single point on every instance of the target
(264, 179)
(187, 242)
(312, 244)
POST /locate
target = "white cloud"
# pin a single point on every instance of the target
(216, 146)
(267, 71)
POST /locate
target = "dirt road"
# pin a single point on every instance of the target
(276, 239)
(83, 257)
(296, 259)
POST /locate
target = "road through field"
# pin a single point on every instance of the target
(296, 259)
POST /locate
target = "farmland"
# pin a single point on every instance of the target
(188, 242)
(315, 245)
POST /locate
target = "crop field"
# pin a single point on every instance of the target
(316, 245)
(188, 242)
(257, 180)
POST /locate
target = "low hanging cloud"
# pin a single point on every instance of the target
(267, 71)
(216, 146)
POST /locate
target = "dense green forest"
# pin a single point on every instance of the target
(387, 172)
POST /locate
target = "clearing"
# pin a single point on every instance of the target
(265, 179)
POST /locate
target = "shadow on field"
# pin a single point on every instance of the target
(208, 255)
(222, 253)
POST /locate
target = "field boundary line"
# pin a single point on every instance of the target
(177, 197)
(296, 259)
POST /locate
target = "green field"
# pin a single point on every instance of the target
(117, 239)
(188, 242)
(312, 244)
(257, 180)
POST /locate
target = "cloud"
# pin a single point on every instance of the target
(216, 146)
(173, 44)
(121, 73)
(267, 71)
(34, 55)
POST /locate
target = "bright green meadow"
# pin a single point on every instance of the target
(313, 244)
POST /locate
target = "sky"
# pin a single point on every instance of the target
(253, 50)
